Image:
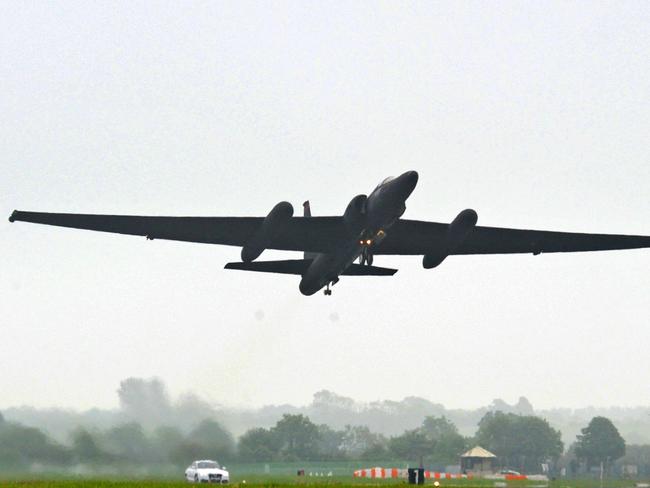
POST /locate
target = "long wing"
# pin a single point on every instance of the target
(315, 234)
(326, 234)
(418, 237)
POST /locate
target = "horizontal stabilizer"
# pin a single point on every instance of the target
(365, 270)
(289, 266)
(299, 266)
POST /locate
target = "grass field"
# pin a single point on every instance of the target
(271, 475)
(256, 481)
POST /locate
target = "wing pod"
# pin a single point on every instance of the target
(456, 234)
(355, 214)
(272, 226)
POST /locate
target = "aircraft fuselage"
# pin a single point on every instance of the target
(382, 208)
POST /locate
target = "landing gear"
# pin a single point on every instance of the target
(327, 290)
(365, 258)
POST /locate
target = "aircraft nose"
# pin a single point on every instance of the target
(412, 177)
(408, 181)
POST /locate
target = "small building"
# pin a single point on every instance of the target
(630, 470)
(477, 461)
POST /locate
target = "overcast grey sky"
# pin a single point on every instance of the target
(536, 114)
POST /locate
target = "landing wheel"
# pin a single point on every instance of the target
(365, 258)
(327, 290)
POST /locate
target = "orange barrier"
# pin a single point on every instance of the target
(388, 473)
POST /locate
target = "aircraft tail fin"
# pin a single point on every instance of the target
(306, 212)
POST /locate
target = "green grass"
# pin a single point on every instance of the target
(257, 481)
(261, 475)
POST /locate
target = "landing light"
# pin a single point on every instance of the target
(368, 242)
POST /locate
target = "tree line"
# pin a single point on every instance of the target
(148, 402)
(522, 442)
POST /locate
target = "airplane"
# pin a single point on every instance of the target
(370, 226)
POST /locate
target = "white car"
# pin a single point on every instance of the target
(207, 471)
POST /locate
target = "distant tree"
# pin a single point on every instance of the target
(600, 442)
(258, 445)
(85, 448)
(436, 442)
(215, 441)
(208, 440)
(145, 401)
(297, 437)
(359, 442)
(522, 407)
(375, 452)
(519, 441)
(438, 427)
(21, 446)
(329, 443)
(325, 398)
(330, 409)
(187, 451)
(189, 410)
(128, 443)
(412, 445)
(446, 443)
(164, 441)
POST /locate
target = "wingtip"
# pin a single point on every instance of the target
(13, 215)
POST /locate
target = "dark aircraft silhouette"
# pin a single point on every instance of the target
(371, 225)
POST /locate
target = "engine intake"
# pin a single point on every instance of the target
(355, 214)
(457, 232)
(272, 226)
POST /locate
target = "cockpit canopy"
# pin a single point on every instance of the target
(383, 182)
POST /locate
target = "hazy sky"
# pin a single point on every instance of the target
(536, 114)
